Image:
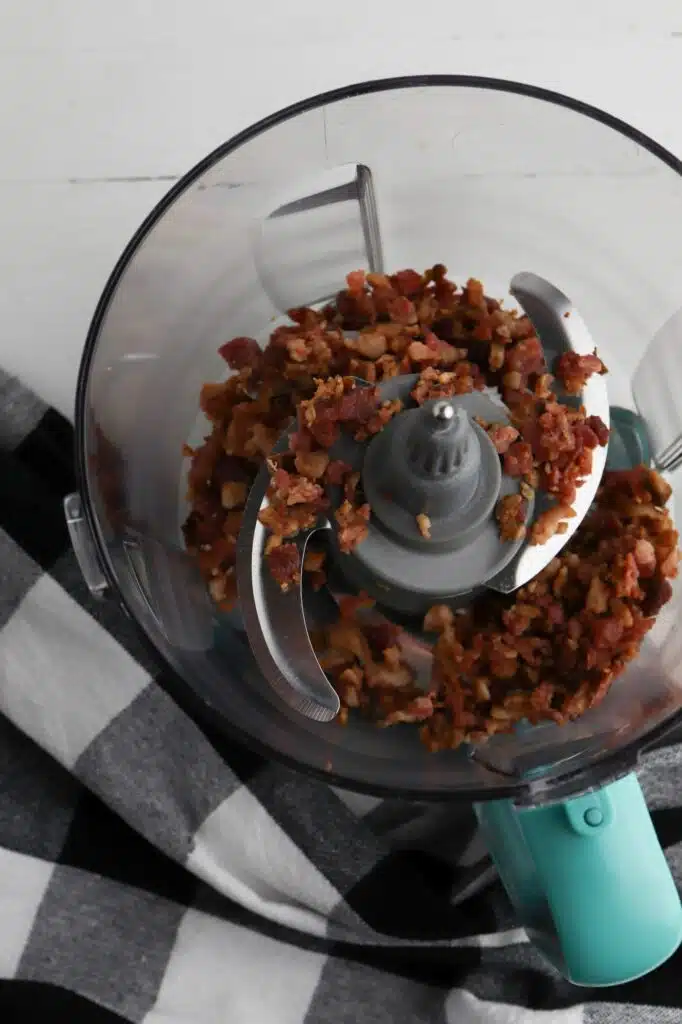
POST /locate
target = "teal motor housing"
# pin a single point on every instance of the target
(589, 881)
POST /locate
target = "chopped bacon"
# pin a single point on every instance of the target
(312, 464)
(356, 281)
(548, 523)
(424, 525)
(518, 460)
(369, 344)
(284, 563)
(645, 556)
(502, 436)
(550, 650)
(511, 516)
(353, 523)
(474, 292)
(574, 371)
(596, 424)
(407, 282)
(417, 710)
(526, 356)
(438, 618)
(241, 352)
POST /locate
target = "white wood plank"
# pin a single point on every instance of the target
(103, 105)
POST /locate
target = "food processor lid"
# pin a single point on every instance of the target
(432, 478)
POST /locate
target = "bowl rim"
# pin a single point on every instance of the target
(603, 767)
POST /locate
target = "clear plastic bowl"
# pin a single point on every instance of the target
(488, 177)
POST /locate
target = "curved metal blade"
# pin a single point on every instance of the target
(274, 620)
(560, 328)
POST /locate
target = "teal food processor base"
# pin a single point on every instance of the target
(587, 876)
(589, 881)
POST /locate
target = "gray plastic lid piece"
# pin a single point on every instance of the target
(436, 461)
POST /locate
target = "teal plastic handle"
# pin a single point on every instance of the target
(589, 881)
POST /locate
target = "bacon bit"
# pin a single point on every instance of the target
(382, 635)
(284, 563)
(296, 490)
(602, 432)
(355, 281)
(525, 356)
(645, 556)
(389, 675)
(548, 523)
(350, 486)
(369, 344)
(233, 494)
(496, 357)
(434, 352)
(474, 293)
(424, 525)
(417, 710)
(597, 597)
(241, 352)
(347, 637)
(407, 282)
(518, 459)
(659, 488)
(606, 633)
(353, 525)
(574, 371)
(510, 513)
(438, 618)
(313, 560)
(402, 311)
(502, 436)
(543, 387)
(312, 464)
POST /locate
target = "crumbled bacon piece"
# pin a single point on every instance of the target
(424, 525)
(355, 281)
(313, 560)
(369, 344)
(549, 522)
(295, 489)
(241, 352)
(526, 356)
(510, 513)
(502, 436)
(574, 371)
(312, 464)
(645, 556)
(518, 459)
(474, 292)
(407, 282)
(418, 710)
(353, 523)
(284, 563)
(233, 494)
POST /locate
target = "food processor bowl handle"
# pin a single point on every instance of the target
(589, 880)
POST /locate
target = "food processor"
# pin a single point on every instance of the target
(566, 207)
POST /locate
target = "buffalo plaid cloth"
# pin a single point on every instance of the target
(150, 872)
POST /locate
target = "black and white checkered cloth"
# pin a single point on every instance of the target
(149, 873)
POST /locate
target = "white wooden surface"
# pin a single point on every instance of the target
(103, 105)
